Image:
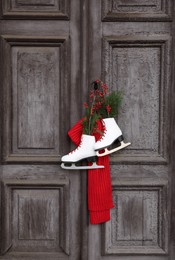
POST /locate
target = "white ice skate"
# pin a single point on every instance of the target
(84, 151)
(111, 135)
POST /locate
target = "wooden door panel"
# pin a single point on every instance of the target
(23, 9)
(139, 221)
(49, 52)
(135, 57)
(151, 10)
(138, 66)
(36, 216)
(40, 202)
(34, 97)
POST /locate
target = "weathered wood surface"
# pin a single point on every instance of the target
(136, 58)
(50, 52)
(40, 203)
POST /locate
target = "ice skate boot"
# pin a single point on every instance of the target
(84, 151)
(112, 134)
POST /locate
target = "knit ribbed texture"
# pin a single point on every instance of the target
(97, 217)
(99, 181)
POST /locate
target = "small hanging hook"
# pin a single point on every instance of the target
(95, 85)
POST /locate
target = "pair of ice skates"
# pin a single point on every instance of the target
(89, 149)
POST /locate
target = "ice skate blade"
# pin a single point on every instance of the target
(74, 167)
(106, 152)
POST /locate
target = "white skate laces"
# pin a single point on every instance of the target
(112, 134)
(85, 151)
(88, 150)
(73, 151)
(102, 104)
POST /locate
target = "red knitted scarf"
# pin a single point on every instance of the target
(99, 181)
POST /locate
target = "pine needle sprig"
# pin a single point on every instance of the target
(111, 105)
(102, 104)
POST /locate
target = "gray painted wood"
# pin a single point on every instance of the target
(139, 207)
(43, 208)
(143, 103)
(140, 10)
(40, 203)
(36, 9)
(36, 110)
(136, 58)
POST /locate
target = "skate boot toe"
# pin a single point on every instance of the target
(65, 158)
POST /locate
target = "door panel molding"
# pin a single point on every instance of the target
(139, 221)
(34, 9)
(28, 208)
(145, 127)
(33, 124)
(138, 10)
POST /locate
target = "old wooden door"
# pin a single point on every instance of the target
(130, 48)
(50, 51)
(40, 62)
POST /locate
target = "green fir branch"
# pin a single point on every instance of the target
(102, 105)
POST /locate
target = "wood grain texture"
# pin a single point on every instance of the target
(39, 220)
(23, 9)
(35, 101)
(31, 180)
(35, 3)
(38, 214)
(152, 10)
(136, 53)
(36, 77)
(136, 71)
(172, 150)
(139, 221)
(136, 66)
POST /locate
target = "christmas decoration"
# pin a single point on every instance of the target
(111, 135)
(99, 180)
(85, 150)
(102, 104)
(93, 135)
